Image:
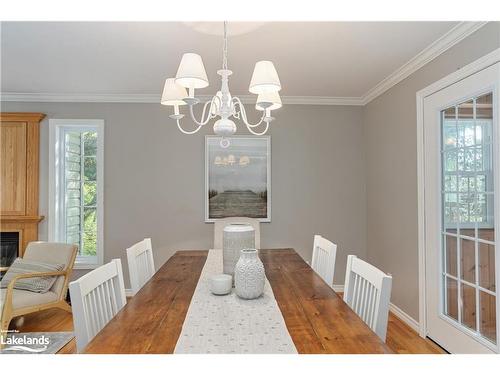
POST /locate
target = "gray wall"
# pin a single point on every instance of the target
(154, 178)
(390, 133)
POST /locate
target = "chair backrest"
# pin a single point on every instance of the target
(57, 253)
(95, 299)
(220, 224)
(140, 264)
(367, 290)
(323, 258)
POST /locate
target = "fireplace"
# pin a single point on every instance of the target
(9, 250)
(19, 163)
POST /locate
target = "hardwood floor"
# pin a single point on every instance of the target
(400, 337)
(404, 340)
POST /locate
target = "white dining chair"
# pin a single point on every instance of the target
(323, 258)
(141, 265)
(95, 299)
(367, 290)
(220, 224)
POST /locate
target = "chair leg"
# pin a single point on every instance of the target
(3, 329)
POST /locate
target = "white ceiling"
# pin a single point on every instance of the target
(320, 59)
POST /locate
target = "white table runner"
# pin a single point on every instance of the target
(228, 324)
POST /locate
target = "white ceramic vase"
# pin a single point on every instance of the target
(235, 238)
(249, 275)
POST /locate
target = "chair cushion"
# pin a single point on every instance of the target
(33, 284)
(52, 252)
(24, 298)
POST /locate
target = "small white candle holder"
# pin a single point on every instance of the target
(221, 284)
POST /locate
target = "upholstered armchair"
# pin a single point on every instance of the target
(16, 302)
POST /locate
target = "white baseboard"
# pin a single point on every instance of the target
(338, 288)
(412, 323)
(129, 293)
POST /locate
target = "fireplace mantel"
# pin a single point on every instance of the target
(21, 219)
(20, 134)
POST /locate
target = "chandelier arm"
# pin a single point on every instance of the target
(203, 121)
(186, 131)
(237, 101)
(257, 133)
(217, 102)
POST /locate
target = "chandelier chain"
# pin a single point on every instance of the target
(224, 48)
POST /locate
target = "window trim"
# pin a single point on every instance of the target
(56, 128)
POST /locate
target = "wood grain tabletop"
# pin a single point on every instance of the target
(317, 319)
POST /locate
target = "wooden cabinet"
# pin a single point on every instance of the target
(13, 168)
(19, 179)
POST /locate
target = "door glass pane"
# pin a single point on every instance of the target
(451, 255)
(484, 108)
(451, 215)
(468, 220)
(449, 129)
(487, 266)
(450, 183)
(468, 260)
(468, 309)
(486, 217)
(450, 160)
(488, 316)
(465, 123)
(451, 298)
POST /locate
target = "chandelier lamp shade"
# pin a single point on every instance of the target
(172, 95)
(264, 78)
(268, 101)
(191, 75)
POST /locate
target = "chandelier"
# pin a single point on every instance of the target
(191, 75)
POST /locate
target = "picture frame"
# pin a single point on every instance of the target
(238, 178)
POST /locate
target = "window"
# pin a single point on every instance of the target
(75, 187)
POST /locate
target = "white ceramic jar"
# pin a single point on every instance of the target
(235, 238)
(249, 275)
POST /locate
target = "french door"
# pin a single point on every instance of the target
(462, 215)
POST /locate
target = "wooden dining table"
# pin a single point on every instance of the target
(316, 317)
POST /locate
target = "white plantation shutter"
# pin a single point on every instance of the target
(72, 186)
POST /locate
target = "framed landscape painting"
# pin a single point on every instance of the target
(238, 178)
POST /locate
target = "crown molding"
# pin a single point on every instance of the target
(79, 98)
(439, 46)
(448, 40)
(321, 100)
(148, 98)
